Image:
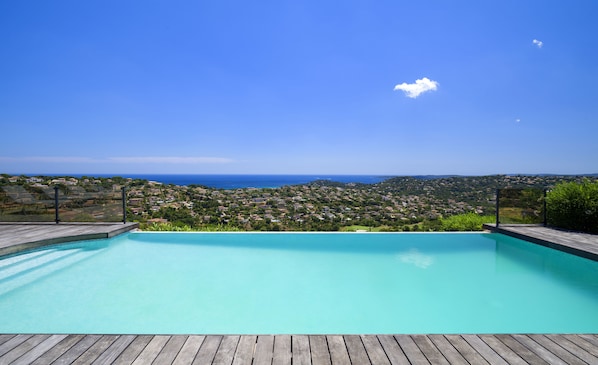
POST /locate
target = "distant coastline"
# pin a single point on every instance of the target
(261, 181)
(240, 181)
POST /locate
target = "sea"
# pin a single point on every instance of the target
(229, 182)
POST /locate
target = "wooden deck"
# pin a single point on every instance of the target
(576, 243)
(299, 349)
(17, 237)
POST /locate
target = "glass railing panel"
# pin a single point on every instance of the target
(521, 206)
(26, 203)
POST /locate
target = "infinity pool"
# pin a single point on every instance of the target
(308, 283)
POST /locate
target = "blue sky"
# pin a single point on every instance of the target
(299, 87)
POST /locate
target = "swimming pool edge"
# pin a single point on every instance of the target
(92, 231)
(512, 231)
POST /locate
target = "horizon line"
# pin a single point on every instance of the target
(291, 174)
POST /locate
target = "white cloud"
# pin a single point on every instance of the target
(538, 43)
(420, 86)
(171, 160)
(119, 160)
(518, 120)
(49, 159)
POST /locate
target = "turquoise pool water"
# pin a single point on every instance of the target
(279, 283)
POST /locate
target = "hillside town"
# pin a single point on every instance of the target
(396, 204)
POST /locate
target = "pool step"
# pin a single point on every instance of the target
(32, 263)
(26, 270)
(22, 258)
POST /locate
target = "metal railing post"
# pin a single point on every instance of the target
(497, 207)
(56, 216)
(545, 216)
(124, 192)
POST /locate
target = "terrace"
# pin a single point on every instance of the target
(17, 237)
(300, 349)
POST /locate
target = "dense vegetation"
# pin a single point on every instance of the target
(465, 222)
(399, 204)
(574, 206)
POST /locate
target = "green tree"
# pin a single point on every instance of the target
(574, 206)
(181, 216)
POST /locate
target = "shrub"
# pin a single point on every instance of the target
(179, 227)
(574, 206)
(166, 227)
(219, 228)
(465, 222)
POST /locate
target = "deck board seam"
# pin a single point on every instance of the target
(384, 350)
(539, 350)
(564, 351)
(579, 351)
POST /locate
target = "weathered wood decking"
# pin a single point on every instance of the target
(299, 349)
(576, 243)
(17, 237)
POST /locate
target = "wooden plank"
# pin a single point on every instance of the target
(448, 351)
(573, 348)
(16, 238)
(264, 350)
(95, 350)
(40, 349)
(245, 348)
(593, 339)
(22, 348)
(189, 350)
(133, 350)
(429, 350)
(170, 350)
(466, 350)
(208, 349)
(502, 350)
(226, 351)
(413, 353)
(538, 350)
(300, 350)
(526, 354)
(151, 351)
(483, 349)
(114, 350)
(338, 350)
(4, 338)
(393, 350)
(557, 350)
(583, 343)
(319, 350)
(374, 350)
(12, 343)
(581, 244)
(356, 350)
(282, 350)
(79, 348)
(58, 350)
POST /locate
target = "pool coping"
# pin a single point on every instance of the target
(20, 237)
(576, 243)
